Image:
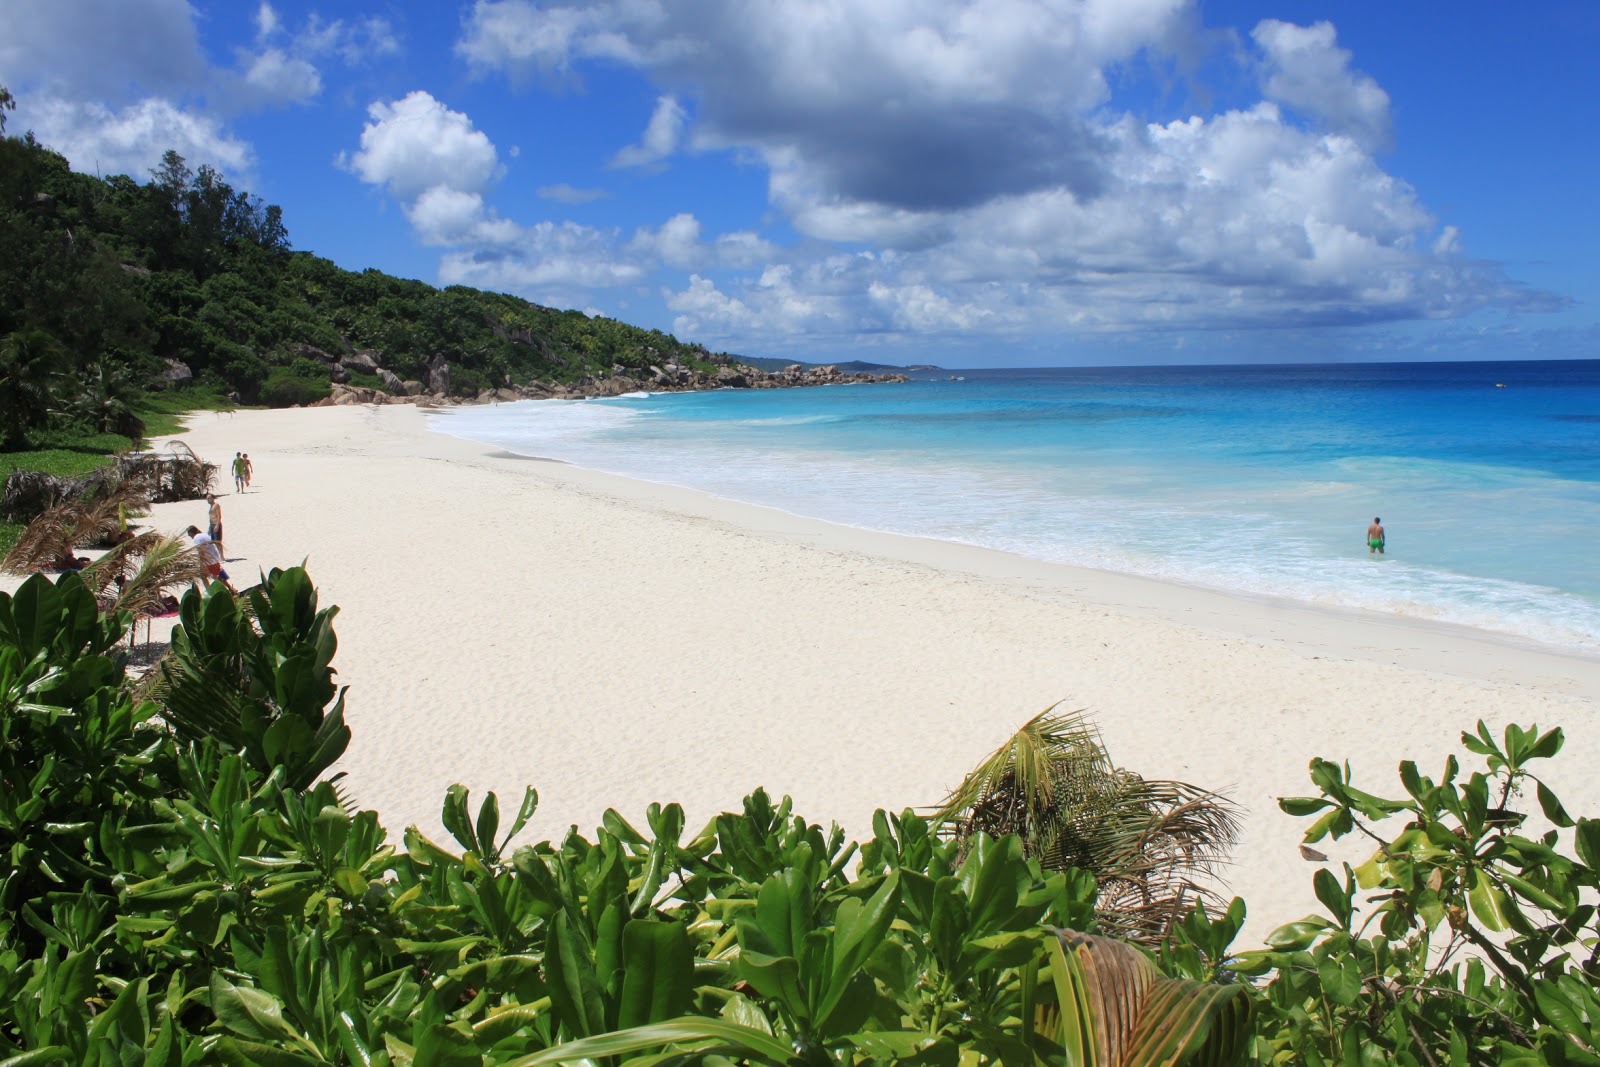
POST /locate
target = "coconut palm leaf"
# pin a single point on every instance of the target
(104, 574)
(1153, 846)
(166, 564)
(1114, 1008)
(44, 541)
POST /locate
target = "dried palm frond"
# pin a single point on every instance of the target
(45, 541)
(105, 517)
(31, 493)
(106, 574)
(167, 563)
(176, 474)
(1151, 845)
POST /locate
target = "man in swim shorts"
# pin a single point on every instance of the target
(210, 556)
(238, 472)
(1375, 537)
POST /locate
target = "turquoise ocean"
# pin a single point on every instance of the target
(1257, 480)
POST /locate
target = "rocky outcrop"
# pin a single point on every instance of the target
(365, 361)
(439, 375)
(177, 374)
(313, 352)
(391, 381)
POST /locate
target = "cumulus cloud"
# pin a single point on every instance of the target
(415, 143)
(660, 138)
(275, 76)
(976, 149)
(1304, 68)
(438, 165)
(131, 140)
(282, 68)
(93, 50)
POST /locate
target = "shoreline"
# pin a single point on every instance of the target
(1255, 615)
(613, 642)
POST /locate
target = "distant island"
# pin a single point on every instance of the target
(854, 366)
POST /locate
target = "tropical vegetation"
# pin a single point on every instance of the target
(121, 285)
(182, 882)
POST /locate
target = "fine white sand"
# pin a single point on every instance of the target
(507, 621)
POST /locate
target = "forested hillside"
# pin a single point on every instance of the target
(109, 279)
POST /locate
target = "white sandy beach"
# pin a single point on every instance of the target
(507, 621)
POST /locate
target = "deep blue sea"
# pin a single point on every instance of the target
(1250, 479)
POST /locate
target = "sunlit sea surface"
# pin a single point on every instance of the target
(1256, 480)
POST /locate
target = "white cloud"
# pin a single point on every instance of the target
(131, 140)
(566, 194)
(415, 143)
(266, 21)
(675, 244)
(280, 78)
(660, 138)
(283, 66)
(549, 254)
(105, 51)
(976, 147)
(1306, 69)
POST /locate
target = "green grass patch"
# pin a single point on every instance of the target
(163, 412)
(61, 462)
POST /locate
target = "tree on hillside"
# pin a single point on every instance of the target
(107, 395)
(7, 103)
(30, 367)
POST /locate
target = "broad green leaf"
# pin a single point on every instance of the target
(704, 1035)
(1487, 903)
(657, 982)
(251, 1013)
(1341, 977)
(1587, 840)
(575, 989)
(237, 1052)
(445, 1046)
(39, 1057)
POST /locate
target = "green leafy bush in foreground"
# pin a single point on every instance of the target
(177, 886)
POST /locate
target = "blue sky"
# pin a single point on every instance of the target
(983, 183)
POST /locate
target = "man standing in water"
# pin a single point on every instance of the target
(1375, 537)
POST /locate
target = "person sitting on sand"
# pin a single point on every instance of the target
(238, 472)
(1375, 537)
(210, 555)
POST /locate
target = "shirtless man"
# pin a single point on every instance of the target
(214, 519)
(1375, 537)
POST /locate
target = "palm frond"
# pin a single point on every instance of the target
(1152, 845)
(167, 563)
(45, 541)
(176, 474)
(105, 573)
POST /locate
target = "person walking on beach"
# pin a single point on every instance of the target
(214, 520)
(210, 556)
(1375, 537)
(248, 470)
(238, 472)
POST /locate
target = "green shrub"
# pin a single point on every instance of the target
(466, 382)
(285, 389)
(308, 368)
(177, 886)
